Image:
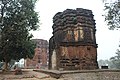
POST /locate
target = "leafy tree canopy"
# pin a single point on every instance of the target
(17, 18)
(112, 15)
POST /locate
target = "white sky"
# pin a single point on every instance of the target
(107, 40)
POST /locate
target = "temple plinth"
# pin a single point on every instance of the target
(73, 44)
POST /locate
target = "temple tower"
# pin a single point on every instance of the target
(73, 44)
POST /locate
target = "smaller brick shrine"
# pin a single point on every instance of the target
(40, 58)
(73, 44)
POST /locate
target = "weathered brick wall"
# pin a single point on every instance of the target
(78, 57)
(73, 41)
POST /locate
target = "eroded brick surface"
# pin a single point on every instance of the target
(73, 44)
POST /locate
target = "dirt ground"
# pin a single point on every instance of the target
(27, 74)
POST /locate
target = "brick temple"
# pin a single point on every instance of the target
(73, 44)
(40, 58)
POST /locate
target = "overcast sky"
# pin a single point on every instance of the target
(107, 40)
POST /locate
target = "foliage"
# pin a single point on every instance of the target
(108, 63)
(116, 60)
(112, 15)
(113, 63)
(17, 18)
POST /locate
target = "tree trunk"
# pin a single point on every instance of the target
(5, 66)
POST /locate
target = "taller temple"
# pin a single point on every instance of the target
(73, 44)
